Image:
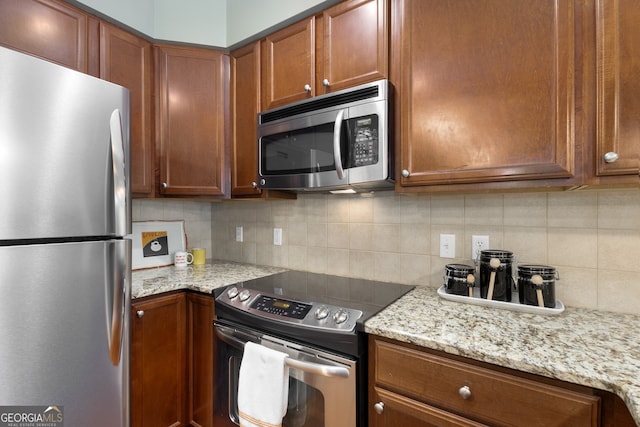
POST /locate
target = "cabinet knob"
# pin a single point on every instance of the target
(611, 157)
(326, 83)
(405, 173)
(307, 88)
(140, 314)
(379, 408)
(164, 185)
(465, 392)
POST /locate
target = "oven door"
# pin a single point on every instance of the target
(322, 386)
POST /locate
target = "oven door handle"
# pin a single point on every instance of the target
(308, 367)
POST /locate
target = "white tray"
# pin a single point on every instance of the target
(514, 305)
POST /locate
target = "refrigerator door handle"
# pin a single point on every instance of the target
(119, 174)
(119, 253)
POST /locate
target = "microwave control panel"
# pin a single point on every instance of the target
(364, 150)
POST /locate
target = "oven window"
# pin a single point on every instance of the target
(306, 406)
(304, 409)
(308, 150)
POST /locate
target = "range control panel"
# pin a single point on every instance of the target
(277, 307)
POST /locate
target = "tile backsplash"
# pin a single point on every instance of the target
(592, 237)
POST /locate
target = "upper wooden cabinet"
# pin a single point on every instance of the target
(345, 46)
(245, 104)
(51, 30)
(486, 92)
(192, 92)
(618, 88)
(127, 60)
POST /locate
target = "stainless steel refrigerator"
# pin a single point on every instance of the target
(65, 264)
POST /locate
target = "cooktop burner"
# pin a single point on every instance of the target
(307, 306)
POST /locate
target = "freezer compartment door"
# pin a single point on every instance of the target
(64, 328)
(64, 152)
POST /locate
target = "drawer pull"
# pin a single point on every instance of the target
(611, 157)
(140, 314)
(379, 408)
(465, 392)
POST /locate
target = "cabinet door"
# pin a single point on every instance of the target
(158, 360)
(289, 70)
(487, 91)
(355, 44)
(126, 59)
(192, 86)
(200, 345)
(245, 102)
(393, 410)
(51, 30)
(618, 95)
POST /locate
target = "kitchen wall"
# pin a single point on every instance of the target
(219, 23)
(591, 237)
(196, 216)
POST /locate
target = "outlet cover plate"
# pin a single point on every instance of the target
(478, 244)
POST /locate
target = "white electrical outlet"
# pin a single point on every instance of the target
(277, 236)
(447, 246)
(239, 234)
(478, 244)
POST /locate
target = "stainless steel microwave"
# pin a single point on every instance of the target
(334, 142)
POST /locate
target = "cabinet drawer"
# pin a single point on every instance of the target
(493, 397)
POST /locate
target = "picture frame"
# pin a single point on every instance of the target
(155, 242)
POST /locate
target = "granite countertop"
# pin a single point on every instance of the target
(201, 278)
(587, 347)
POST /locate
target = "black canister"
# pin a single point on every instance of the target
(537, 281)
(496, 263)
(456, 278)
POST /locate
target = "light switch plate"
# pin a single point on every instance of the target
(239, 234)
(447, 246)
(277, 236)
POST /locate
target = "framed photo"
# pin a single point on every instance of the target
(155, 242)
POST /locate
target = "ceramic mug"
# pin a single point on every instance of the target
(199, 256)
(182, 259)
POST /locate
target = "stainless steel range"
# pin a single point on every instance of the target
(318, 320)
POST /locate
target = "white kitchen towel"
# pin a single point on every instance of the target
(263, 387)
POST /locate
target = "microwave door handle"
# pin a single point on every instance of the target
(337, 157)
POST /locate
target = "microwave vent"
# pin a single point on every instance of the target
(321, 103)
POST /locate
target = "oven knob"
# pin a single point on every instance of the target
(340, 317)
(244, 295)
(232, 292)
(322, 312)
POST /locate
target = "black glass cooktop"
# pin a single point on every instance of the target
(368, 296)
(294, 299)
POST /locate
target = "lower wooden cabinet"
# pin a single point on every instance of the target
(200, 359)
(158, 361)
(172, 360)
(411, 387)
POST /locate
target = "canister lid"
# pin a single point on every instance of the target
(502, 255)
(536, 269)
(460, 268)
